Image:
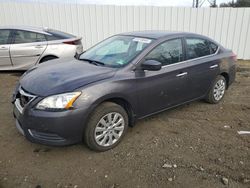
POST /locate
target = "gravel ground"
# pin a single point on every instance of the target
(195, 145)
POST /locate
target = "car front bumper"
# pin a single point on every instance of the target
(51, 128)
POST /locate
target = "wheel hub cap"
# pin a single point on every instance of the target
(109, 129)
(219, 89)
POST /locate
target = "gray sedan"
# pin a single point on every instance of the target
(120, 80)
(24, 47)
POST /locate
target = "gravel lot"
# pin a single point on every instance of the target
(195, 145)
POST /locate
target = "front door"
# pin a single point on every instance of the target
(167, 87)
(5, 61)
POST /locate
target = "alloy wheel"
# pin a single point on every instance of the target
(219, 89)
(109, 129)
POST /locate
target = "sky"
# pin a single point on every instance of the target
(182, 3)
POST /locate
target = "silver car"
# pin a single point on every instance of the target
(23, 47)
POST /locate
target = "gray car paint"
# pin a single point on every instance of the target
(143, 92)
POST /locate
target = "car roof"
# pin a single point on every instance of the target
(42, 30)
(157, 34)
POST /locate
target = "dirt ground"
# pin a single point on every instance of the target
(195, 145)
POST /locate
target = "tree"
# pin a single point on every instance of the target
(238, 3)
(199, 3)
(243, 3)
(212, 3)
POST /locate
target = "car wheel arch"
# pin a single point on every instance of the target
(49, 57)
(226, 76)
(126, 105)
(122, 101)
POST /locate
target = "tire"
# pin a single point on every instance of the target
(47, 58)
(213, 97)
(101, 134)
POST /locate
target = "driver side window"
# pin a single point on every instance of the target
(167, 53)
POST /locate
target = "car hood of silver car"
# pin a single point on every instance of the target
(61, 76)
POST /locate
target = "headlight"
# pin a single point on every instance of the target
(58, 102)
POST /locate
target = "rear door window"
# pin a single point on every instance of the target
(58, 35)
(213, 48)
(196, 48)
(28, 37)
(4, 36)
(52, 37)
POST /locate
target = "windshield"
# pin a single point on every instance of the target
(116, 51)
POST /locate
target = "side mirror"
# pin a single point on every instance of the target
(152, 65)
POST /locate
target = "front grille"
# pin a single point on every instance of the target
(24, 100)
(24, 97)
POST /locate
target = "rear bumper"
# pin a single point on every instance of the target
(51, 128)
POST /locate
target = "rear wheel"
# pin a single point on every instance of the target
(106, 127)
(217, 92)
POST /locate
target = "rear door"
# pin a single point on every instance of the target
(203, 65)
(4, 48)
(26, 48)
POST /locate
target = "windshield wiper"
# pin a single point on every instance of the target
(97, 63)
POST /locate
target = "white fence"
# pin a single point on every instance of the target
(229, 26)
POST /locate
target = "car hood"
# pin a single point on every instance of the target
(58, 76)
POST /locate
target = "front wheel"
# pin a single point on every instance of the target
(106, 127)
(217, 92)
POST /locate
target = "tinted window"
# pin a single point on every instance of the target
(197, 48)
(58, 35)
(213, 47)
(52, 37)
(28, 37)
(4, 36)
(168, 52)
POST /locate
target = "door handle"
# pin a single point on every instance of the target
(39, 46)
(3, 48)
(181, 74)
(213, 66)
